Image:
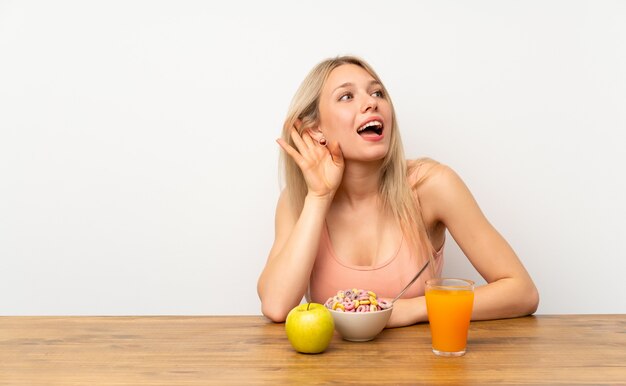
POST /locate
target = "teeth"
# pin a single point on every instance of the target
(370, 124)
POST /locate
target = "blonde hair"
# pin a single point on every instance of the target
(396, 194)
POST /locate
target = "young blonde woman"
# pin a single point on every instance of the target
(356, 214)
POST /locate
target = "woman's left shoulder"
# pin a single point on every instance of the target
(426, 172)
(437, 188)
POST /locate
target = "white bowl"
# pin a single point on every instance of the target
(360, 326)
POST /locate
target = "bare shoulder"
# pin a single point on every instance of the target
(438, 187)
(427, 173)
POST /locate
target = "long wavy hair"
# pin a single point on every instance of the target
(395, 193)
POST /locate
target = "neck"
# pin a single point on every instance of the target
(360, 183)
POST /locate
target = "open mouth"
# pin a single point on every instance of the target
(371, 128)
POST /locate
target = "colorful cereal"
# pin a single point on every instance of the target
(356, 300)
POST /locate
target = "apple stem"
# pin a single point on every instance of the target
(307, 306)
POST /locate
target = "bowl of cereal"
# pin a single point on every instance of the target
(358, 314)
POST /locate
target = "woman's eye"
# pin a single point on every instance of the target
(345, 97)
(378, 94)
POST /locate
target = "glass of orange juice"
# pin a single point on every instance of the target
(449, 305)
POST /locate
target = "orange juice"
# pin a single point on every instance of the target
(449, 314)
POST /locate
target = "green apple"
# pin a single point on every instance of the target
(309, 328)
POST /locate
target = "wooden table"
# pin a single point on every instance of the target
(241, 350)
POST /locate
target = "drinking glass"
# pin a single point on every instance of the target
(449, 305)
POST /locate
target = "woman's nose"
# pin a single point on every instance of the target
(370, 103)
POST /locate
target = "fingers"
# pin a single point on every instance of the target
(335, 152)
(307, 150)
(303, 145)
(290, 150)
(306, 137)
(298, 141)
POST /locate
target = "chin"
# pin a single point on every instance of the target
(368, 156)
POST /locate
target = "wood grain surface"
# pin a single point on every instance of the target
(242, 350)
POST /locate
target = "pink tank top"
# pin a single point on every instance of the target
(331, 274)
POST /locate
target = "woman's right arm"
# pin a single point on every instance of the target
(286, 275)
(285, 278)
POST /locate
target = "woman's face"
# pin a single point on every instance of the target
(354, 112)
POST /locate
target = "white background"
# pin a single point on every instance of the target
(138, 168)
